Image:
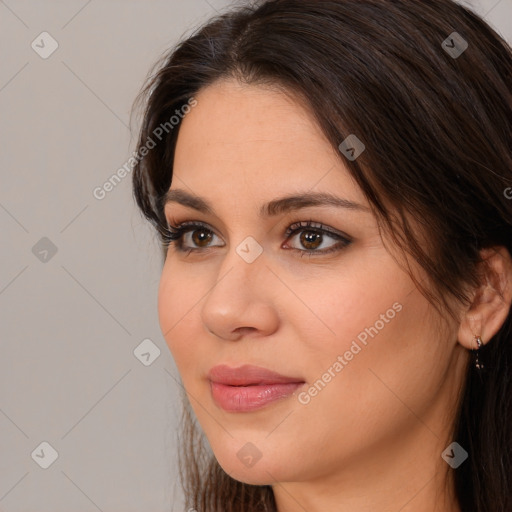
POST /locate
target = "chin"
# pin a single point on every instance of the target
(246, 463)
(259, 474)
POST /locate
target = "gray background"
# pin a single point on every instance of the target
(71, 320)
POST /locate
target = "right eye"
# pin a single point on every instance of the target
(190, 236)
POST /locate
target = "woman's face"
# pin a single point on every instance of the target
(378, 371)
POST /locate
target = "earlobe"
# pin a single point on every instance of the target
(491, 301)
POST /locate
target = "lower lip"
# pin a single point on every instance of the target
(250, 398)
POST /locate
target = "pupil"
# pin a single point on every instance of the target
(199, 239)
(311, 238)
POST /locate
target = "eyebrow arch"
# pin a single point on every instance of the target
(270, 209)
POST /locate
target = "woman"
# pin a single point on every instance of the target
(329, 182)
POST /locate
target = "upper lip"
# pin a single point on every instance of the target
(248, 375)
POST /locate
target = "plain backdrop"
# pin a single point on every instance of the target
(88, 387)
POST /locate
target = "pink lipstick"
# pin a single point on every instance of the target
(248, 388)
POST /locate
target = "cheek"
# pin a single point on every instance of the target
(177, 303)
(372, 338)
(386, 352)
(349, 311)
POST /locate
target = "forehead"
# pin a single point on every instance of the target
(254, 108)
(231, 117)
(252, 135)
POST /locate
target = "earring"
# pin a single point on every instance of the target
(478, 364)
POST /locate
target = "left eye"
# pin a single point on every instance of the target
(312, 237)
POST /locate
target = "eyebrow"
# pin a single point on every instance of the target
(270, 209)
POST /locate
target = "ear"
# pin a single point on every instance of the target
(491, 301)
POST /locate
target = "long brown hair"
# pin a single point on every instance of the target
(437, 130)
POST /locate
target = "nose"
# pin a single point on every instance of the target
(240, 301)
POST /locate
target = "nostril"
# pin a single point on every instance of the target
(245, 330)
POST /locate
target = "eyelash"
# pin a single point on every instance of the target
(176, 233)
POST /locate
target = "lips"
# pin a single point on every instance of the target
(248, 375)
(249, 388)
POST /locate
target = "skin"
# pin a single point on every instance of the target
(372, 438)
